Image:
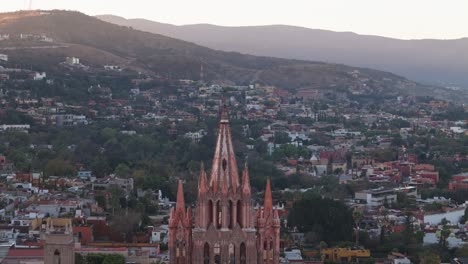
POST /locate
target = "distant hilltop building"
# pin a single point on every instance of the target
(39, 76)
(72, 61)
(226, 229)
(4, 37)
(113, 68)
(3, 57)
(19, 128)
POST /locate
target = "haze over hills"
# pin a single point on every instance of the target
(441, 62)
(98, 43)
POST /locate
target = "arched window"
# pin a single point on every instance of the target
(206, 254)
(231, 215)
(271, 249)
(239, 214)
(183, 248)
(210, 213)
(232, 254)
(217, 253)
(243, 254)
(57, 258)
(218, 214)
(224, 164)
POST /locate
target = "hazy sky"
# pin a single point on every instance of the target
(393, 18)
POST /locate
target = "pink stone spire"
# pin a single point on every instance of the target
(180, 205)
(268, 205)
(224, 170)
(202, 181)
(246, 180)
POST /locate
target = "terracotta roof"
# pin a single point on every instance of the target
(15, 252)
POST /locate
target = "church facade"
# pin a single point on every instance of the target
(225, 228)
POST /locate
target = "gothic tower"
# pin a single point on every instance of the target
(226, 228)
(224, 224)
(268, 226)
(180, 230)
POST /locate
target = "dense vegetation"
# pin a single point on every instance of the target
(322, 219)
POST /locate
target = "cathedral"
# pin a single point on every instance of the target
(225, 228)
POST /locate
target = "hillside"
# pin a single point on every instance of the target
(97, 43)
(442, 62)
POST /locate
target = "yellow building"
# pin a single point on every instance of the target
(343, 254)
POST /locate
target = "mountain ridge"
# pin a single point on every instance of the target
(440, 61)
(100, 43)
(115, 17)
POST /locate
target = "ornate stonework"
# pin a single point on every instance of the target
(226, 228)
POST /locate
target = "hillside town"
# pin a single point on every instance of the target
(92, 157)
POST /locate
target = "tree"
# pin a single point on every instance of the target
(95, 258)
(338, 171)
(79, 259)
(126, 223)
(409, 229)
(464, 218)
(357, 217)
(444, 233)
(59, 167)
(327, 219)
(122, 171)
(115, 192)
(108, 134)
(281, 138)
(429, 258)
(462, 251)
(101, 201)
(114, 259)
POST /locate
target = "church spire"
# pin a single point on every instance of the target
(180, 205)
(202, 181)
(224, 171)
(268, 204)
(246, 180)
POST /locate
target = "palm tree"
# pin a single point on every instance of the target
(357, 217)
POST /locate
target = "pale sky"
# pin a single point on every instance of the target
(407, 19)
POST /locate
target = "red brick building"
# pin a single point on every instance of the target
(459, 182)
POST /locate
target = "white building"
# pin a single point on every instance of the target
(457, 130)
(160, 234)
(195, 136)
(23, 128)
(452, 216)
(377, 197)
(72, 60)
(3, 57)
(112, 68)
(39, 76)
(294, 255)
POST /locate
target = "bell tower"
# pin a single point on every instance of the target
(180, 230)
(224, 224)
(226, 229)
(268, 225)
(59, 247)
